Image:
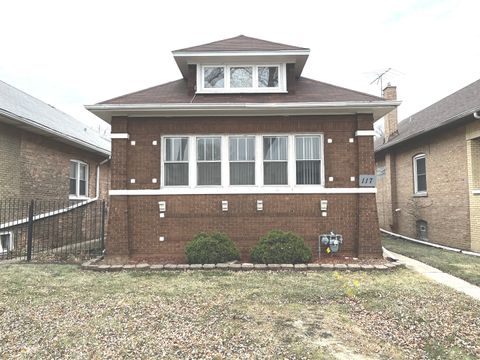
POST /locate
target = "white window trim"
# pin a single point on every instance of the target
(227, 151)
(415, 175)
(282, 79)
(77, 195)
(196, 161)
(225, 166)
(191, 169)
(322, 164)
(12, 246)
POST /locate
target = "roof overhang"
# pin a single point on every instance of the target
(464, 115)
(184, 58)
(7, 117)
(377, 108)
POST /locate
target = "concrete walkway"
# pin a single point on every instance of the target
(437, 275)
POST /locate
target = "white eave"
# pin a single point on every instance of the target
(377, 108)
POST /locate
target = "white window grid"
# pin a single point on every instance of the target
(78, 164)
(416, 174)
(255, 88)
(259, 161)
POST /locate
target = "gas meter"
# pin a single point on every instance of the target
(331, 242)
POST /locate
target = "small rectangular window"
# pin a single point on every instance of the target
(78, 179)
(308, 161)
(275, 160)
(6, 242)
(214, 77)
(420, 174)
(268, 76)
(176, 161)
(209, 161)
(242, 160)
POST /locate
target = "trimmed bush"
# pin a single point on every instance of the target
(281, 247)
(211, 249)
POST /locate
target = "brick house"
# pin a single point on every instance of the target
(428, 171)
(47, 154)
(242, 144)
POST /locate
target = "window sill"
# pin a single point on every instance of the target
(82, 198)
(242, 91)
(420, 194)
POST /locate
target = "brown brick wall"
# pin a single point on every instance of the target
(37, 167)
(446, 208)
(9, 162)
(135, 225)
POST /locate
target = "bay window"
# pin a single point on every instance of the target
(275, 161)
(242, 160)
(208, 161)
(176, 161)
(308, 163)
(78, 176)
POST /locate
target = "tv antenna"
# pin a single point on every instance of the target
(379, 79)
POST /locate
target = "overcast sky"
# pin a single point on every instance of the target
(72, 53)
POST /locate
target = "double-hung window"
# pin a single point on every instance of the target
(420, 174)
(209, 166)
(275, 160)
(78, 179)
(308, 159)
(242, 160)
(176, 161)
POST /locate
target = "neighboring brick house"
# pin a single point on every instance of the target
(428, 171)
(47, 154)
(242, 144)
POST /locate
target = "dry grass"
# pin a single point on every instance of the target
(59, 311)
(466, 267)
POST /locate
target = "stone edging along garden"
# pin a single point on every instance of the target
(96, 266)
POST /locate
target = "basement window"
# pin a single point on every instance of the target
(6, 242)
(78, 179)
(420, 174)
(240, 78)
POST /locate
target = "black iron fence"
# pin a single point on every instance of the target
(51, 230)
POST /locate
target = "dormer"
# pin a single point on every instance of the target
(241, 65)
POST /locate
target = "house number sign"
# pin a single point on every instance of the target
(367, 180)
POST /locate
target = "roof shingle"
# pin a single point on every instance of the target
(241, 43)
(449, 109)
(16, 104)
(307, 90)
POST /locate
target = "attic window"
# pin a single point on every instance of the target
(241, 78)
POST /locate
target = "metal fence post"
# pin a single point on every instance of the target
(30, 231)
(102, 229)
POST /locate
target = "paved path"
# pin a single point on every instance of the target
(437, 275)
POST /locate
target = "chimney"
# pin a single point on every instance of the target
(390, 120)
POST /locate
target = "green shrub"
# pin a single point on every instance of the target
(211, 249)
(280, 247)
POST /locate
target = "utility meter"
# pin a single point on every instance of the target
(331, 242)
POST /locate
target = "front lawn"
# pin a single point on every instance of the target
(60, 311)
(466, 267)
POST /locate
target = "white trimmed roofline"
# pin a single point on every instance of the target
(57, 134)
(377, 108)
(240, 53)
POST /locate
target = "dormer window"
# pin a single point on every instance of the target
(241, 78)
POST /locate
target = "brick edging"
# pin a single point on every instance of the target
(93, 265)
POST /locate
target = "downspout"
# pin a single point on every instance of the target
(476, 115)
(97, 190)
